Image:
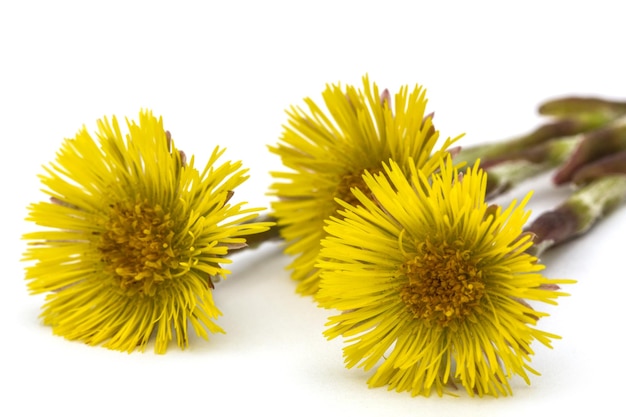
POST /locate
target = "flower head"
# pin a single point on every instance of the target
(433, 283)
(132, 236)
(328, 151)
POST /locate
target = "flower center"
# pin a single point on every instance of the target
(136, 246)
(444, 284)
(354, 180)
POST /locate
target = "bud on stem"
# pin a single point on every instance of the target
(491, 153)
(573, 115)
(595, 146)
(609, 165)
(529, 163)
(578, 213)
(584, 108)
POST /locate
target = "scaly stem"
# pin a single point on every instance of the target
(540, 158)
(578, 213)
(596, 145)
(573, 115)
(608, 165)
(583, 108)
(255, 240)
(490, 153)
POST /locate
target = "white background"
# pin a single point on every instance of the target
(222, 73)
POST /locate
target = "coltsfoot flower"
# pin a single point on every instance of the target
(328, 150)
(433, 284)
(132, 236)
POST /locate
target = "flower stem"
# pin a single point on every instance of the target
(272, 233)
(491, 153)
(529, 163)
(578, 213)
(596, 145)
(611, 164)
(573, 115)
(578, 158)
(589, 108)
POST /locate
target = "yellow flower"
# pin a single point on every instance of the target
(131, 237)
(328, 151)
(432, 283)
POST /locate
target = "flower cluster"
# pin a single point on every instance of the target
(431, 286)
(329, 150)
(434, 286)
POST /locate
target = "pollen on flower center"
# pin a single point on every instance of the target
(444, 283)
(136, 246)
(353, 180)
